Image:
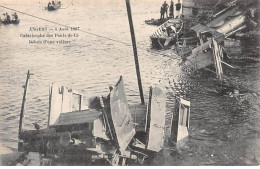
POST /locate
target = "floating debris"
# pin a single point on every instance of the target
(52, 6)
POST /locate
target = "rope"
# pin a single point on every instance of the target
(63, 25)
(100, 36)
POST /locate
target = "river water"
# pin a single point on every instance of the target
(223, 130)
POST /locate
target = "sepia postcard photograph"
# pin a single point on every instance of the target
(129, 83)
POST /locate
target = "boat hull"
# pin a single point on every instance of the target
(5, 22)
(156, 22)
(159, 37)
(54, 7)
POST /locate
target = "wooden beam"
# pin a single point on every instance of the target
(128, 7)
(23, 104)
(228, 64)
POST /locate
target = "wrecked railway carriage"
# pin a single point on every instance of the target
(229, 21)
(109, 129)
(200, 45)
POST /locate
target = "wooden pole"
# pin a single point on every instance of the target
(50, 97)
(23, 103)
(128, 7)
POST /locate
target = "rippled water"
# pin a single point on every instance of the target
(223, 130)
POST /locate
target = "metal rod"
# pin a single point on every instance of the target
(228, 64)
(128, 7)
(23, 103)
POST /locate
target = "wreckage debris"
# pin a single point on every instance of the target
(109, 129)
(112, 131)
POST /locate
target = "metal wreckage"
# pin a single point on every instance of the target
(108, 131)
(202, 43)
(104, 131)
(114, 132)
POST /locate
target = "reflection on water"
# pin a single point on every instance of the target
(223, 130)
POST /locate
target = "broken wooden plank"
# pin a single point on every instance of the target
(77, 117)
(156, 119)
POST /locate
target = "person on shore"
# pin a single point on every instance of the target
(171, 14)
(49, 4)
(162, 13)
(178, 8)
(165, 7)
